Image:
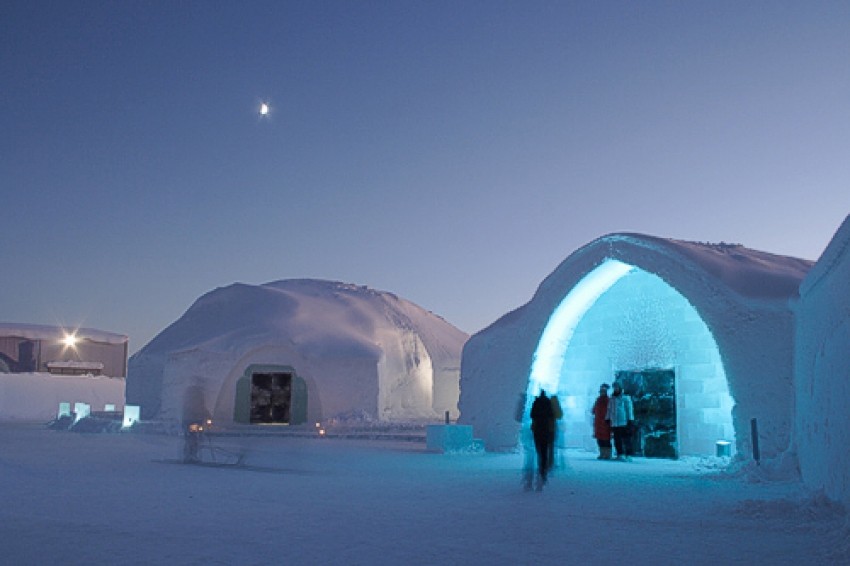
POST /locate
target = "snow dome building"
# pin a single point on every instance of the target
(297, 351)
(701, 335)
(822, 370)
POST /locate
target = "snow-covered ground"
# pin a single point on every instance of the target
(75, 498)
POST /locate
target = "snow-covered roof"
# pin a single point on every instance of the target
(44, 332)
(321, 319)
(750, 274)
(838, 247)
(72, 364)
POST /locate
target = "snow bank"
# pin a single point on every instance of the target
(740, 296)
(35, 397)
(358, 349)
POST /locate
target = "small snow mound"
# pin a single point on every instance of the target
(354, 417)
(783, 468)
(814, 507)
(710, 464)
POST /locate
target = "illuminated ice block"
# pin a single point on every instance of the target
(64, 410)
(82, 409)
(448, 438)
(724, 448)
(131, 415)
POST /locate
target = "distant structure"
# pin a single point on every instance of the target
(32, 348)
(701, 336)
(296, 351)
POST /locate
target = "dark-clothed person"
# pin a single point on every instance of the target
(542, 428)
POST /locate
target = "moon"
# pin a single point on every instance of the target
(264, 109)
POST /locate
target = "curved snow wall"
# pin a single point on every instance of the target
(822, 371)
(731, 355)
(335, 386)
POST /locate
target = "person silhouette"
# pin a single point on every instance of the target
(542, 428)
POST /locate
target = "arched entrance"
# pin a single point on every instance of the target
(620, 320)
(268, 394)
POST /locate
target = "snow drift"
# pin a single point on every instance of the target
(718, 315)
(358, 350)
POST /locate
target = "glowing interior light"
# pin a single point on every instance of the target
(549, 356)
(131, 415)
(82, 410)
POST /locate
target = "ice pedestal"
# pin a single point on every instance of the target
(131, 415)
(448, 438)
(82, 410)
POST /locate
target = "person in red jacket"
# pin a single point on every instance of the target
(601, 429)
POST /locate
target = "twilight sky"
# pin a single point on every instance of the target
(451, 152)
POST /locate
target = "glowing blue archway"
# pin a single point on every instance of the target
(549, 356)
(620, 317)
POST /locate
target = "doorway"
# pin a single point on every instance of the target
(271, 398)
(653, 393)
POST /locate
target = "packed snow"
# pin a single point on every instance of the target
(75, 498)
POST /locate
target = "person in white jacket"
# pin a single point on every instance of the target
(621, 418)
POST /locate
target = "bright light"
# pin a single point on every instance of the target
(70, 340)
(264, 109)
(131, 415)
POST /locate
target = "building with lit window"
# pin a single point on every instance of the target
(32, 348)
